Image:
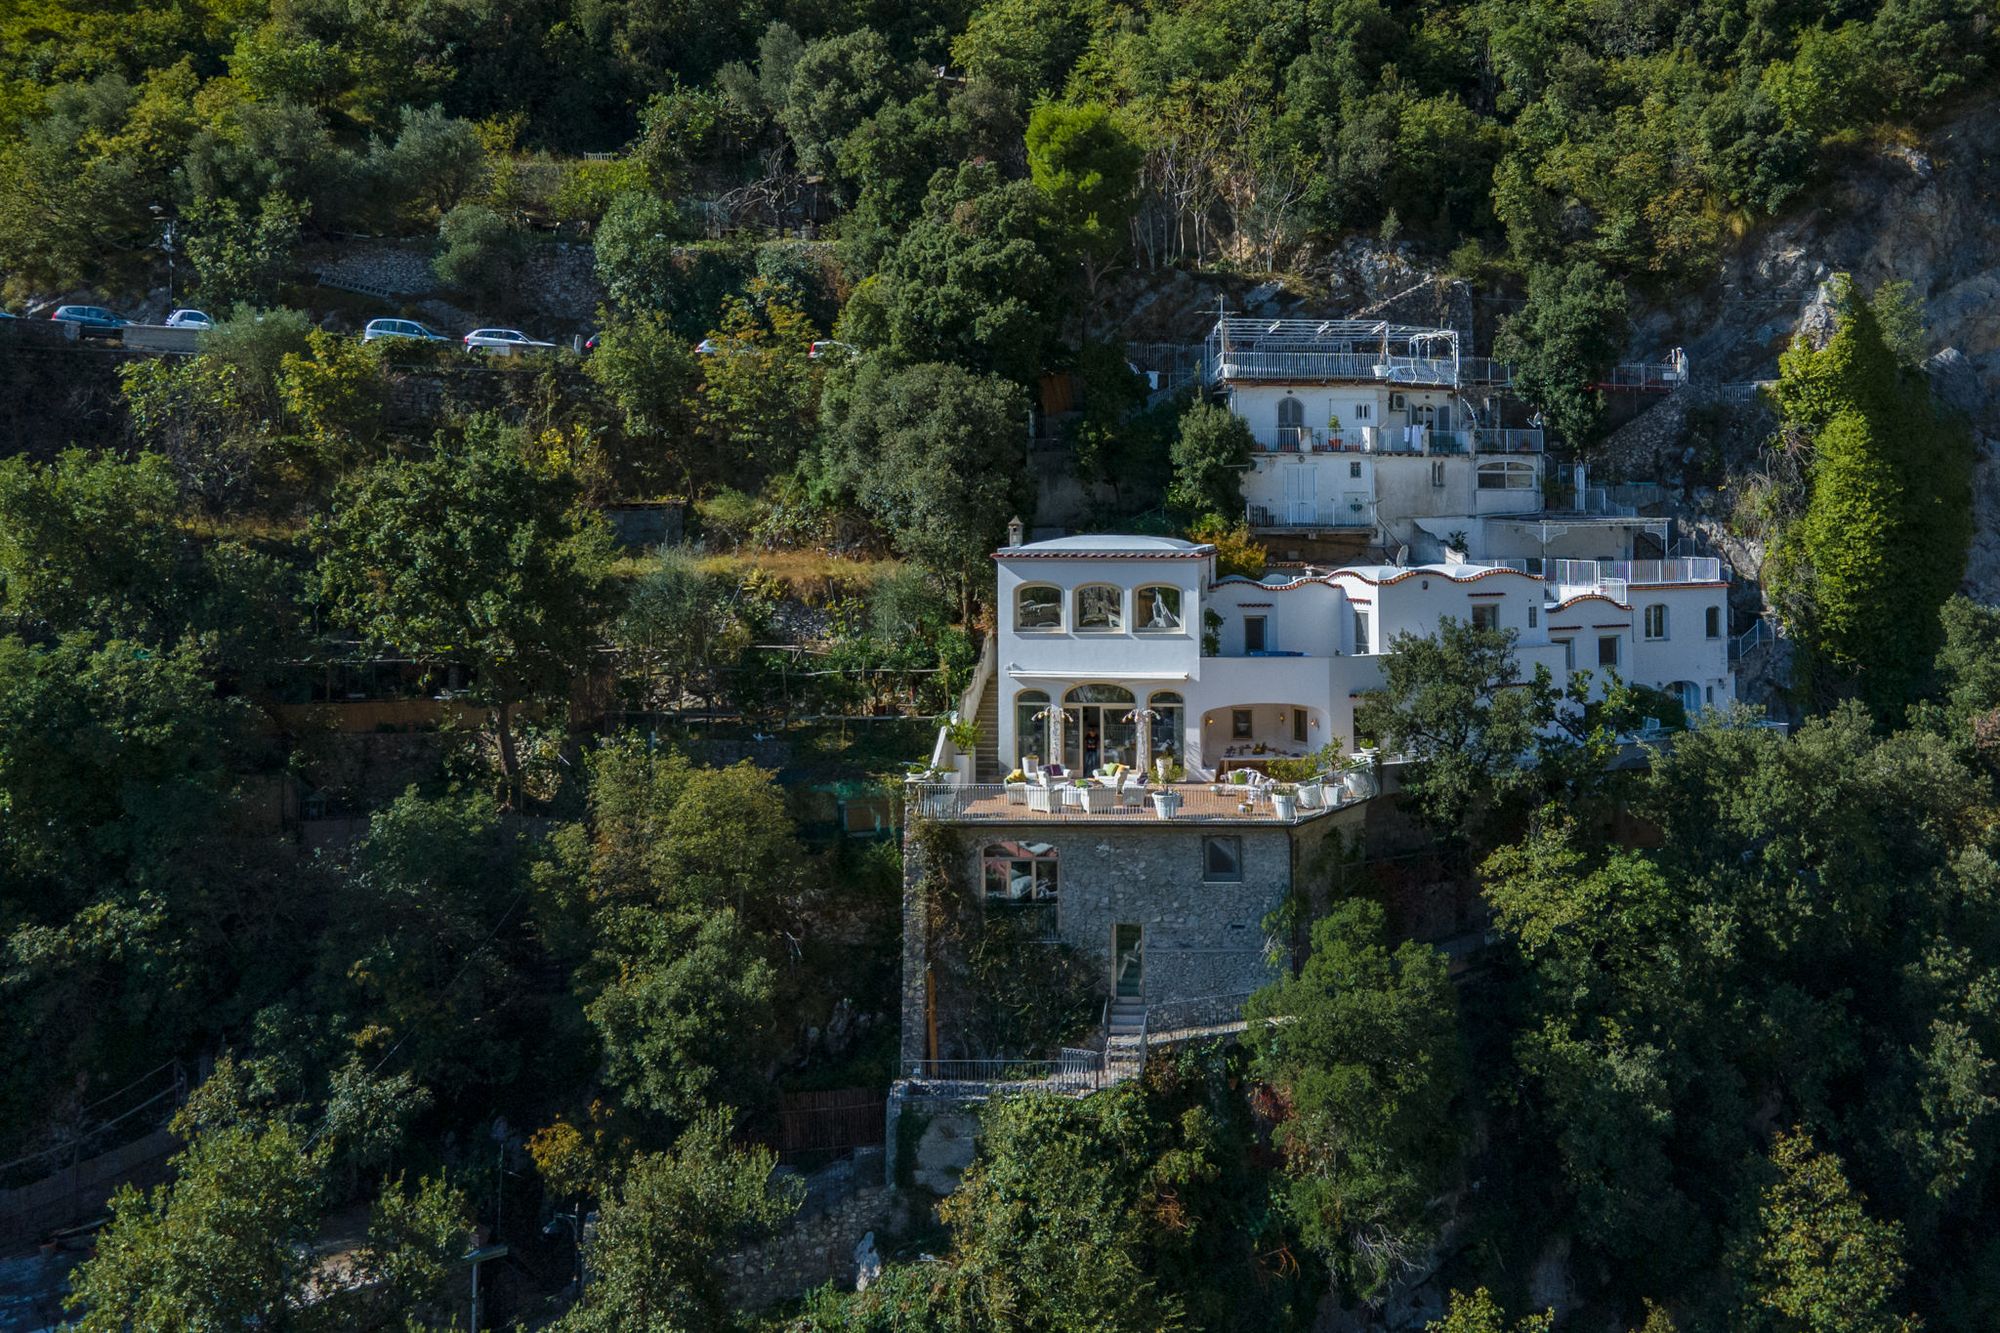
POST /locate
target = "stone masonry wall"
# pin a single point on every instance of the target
(1199, 939)
(818, 1246)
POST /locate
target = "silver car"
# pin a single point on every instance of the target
(505, 342)
(401, 328)
(189, 319)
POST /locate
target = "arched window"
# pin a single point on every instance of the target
(1506, 476)
(1030, 733)
(1038, 606)
(1157, 609)
(1100, 608)
(1019, 872)
(1168, 727)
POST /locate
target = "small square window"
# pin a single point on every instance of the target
(1239, 724)
(1363, 411)
(1222, 860)
(1437, 472)
(1656, 621)
(1486, 615)
(1607, 650)
(1354, 468)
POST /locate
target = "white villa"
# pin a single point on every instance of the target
(1385, 434)
(1236, 671)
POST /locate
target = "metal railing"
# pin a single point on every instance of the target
(1329, 367)
(1760, 633)
(993, 803)
(1073, 1071)
(1507, 440)
(1592, 574)
(1337, 514)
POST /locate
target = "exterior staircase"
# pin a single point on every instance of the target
(986, 760)
(1125, 1029)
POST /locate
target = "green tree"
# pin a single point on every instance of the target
(1880, 540)
(421, 954)
(1563, 341)
(634, 248)
(1086, 164)
(471, 555)
(90, 543)
(1815, 1261)
(970, 283)
(1454, 706)
(1479, 1313)
(681, 627)
(481, 252)
(238, 258)
(934, 454)
(227, 1245)
(1210, 455)
(653, 1260)
(837, 82)
(759, 391)
(1368, 1057)
(652, 377)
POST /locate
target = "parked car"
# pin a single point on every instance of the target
(590, 343)
(92, 321)
(401, 328)
(825, 347)
(706, 347)
(189, 319)
(507, 342)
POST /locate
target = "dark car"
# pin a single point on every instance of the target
(92, 321)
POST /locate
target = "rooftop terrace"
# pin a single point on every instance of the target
(992, 803)
(1316, 350)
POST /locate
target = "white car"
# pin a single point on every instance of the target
(189, 319)
(401, 328)
(826, 347)
(506, 342)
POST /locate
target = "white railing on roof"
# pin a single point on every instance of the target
(1326, 514)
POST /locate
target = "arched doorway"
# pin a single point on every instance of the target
(1094, 730)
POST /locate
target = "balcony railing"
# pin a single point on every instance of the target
(1334, 514)
(1330, 367)
(1572, 578)
(993, 803)
(1507, 440)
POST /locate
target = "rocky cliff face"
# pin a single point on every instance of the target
(1921, 213)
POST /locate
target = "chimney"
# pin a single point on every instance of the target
(1014, 532)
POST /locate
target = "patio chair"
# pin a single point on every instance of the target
(1031, 767)
(1133, 790)
(1042, 797)
(1096, 800)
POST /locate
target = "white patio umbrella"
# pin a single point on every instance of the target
(1145, 717)
(1053, 715)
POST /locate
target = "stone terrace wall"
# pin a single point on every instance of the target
(843, 1204)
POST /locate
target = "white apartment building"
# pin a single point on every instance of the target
(1386, 434)
(1093, 629)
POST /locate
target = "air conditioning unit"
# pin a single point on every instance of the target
(1398, 401)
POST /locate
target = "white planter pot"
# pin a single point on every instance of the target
(1287, 807)
(1166, 804)
(1360, 784)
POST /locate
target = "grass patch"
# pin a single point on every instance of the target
(813, 577)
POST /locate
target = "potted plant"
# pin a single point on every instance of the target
(964, 736)
(1166, 802)
(1285, 800)
(1017, 788)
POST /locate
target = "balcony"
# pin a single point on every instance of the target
(1312, 516)
(1614, 578)
(1507, 440)
(1200, 803)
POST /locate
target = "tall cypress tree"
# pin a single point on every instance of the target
(1861, 572)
